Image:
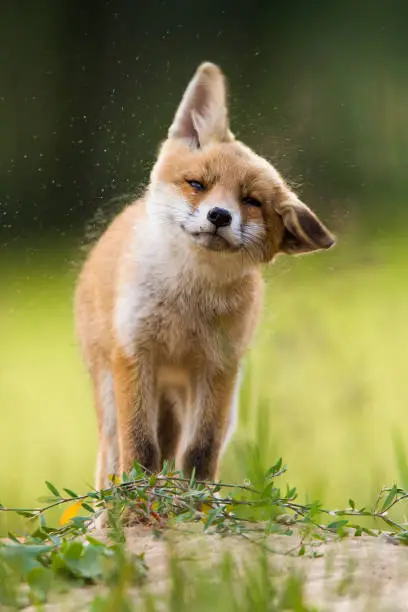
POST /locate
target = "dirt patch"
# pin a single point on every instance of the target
(352, 575)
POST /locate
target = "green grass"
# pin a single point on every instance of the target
(325, 382)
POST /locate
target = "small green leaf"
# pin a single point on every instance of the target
(352, 504)
(70, 493)
(26, 513)
(137, 470)
(402, 537)
(291, 493)
(141, 494)
(39, 534)
(337, 524)
(13, 537)
(390, 498)
(274, 469)
(53, 490)
(210, 518)
(369, 532)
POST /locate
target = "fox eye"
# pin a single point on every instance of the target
(251, 202)
(196, 185)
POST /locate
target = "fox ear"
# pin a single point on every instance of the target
(202, 116)
(303, 230)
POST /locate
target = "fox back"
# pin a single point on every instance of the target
(169, 297)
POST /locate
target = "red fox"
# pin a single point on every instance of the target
(169, 297)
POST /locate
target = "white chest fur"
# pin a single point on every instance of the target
(173, 299)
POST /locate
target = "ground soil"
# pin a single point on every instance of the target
(353, 575)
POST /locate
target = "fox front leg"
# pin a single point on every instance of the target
(136, 413)
(215, 403)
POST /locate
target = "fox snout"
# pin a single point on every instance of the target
(220, 217)
(214, 225)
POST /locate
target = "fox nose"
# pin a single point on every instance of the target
(219, 217)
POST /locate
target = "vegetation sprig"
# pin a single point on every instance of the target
(163, 501)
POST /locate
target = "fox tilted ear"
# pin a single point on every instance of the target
(202, 116)
(303, 230)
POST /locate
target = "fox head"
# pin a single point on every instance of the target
(214, 193)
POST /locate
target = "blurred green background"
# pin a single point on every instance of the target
(319, 88)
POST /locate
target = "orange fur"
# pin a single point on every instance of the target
(168, 299)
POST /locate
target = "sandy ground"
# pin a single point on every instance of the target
(353, 575)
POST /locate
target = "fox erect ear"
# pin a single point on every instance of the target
(303, 231)
(202, 116)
